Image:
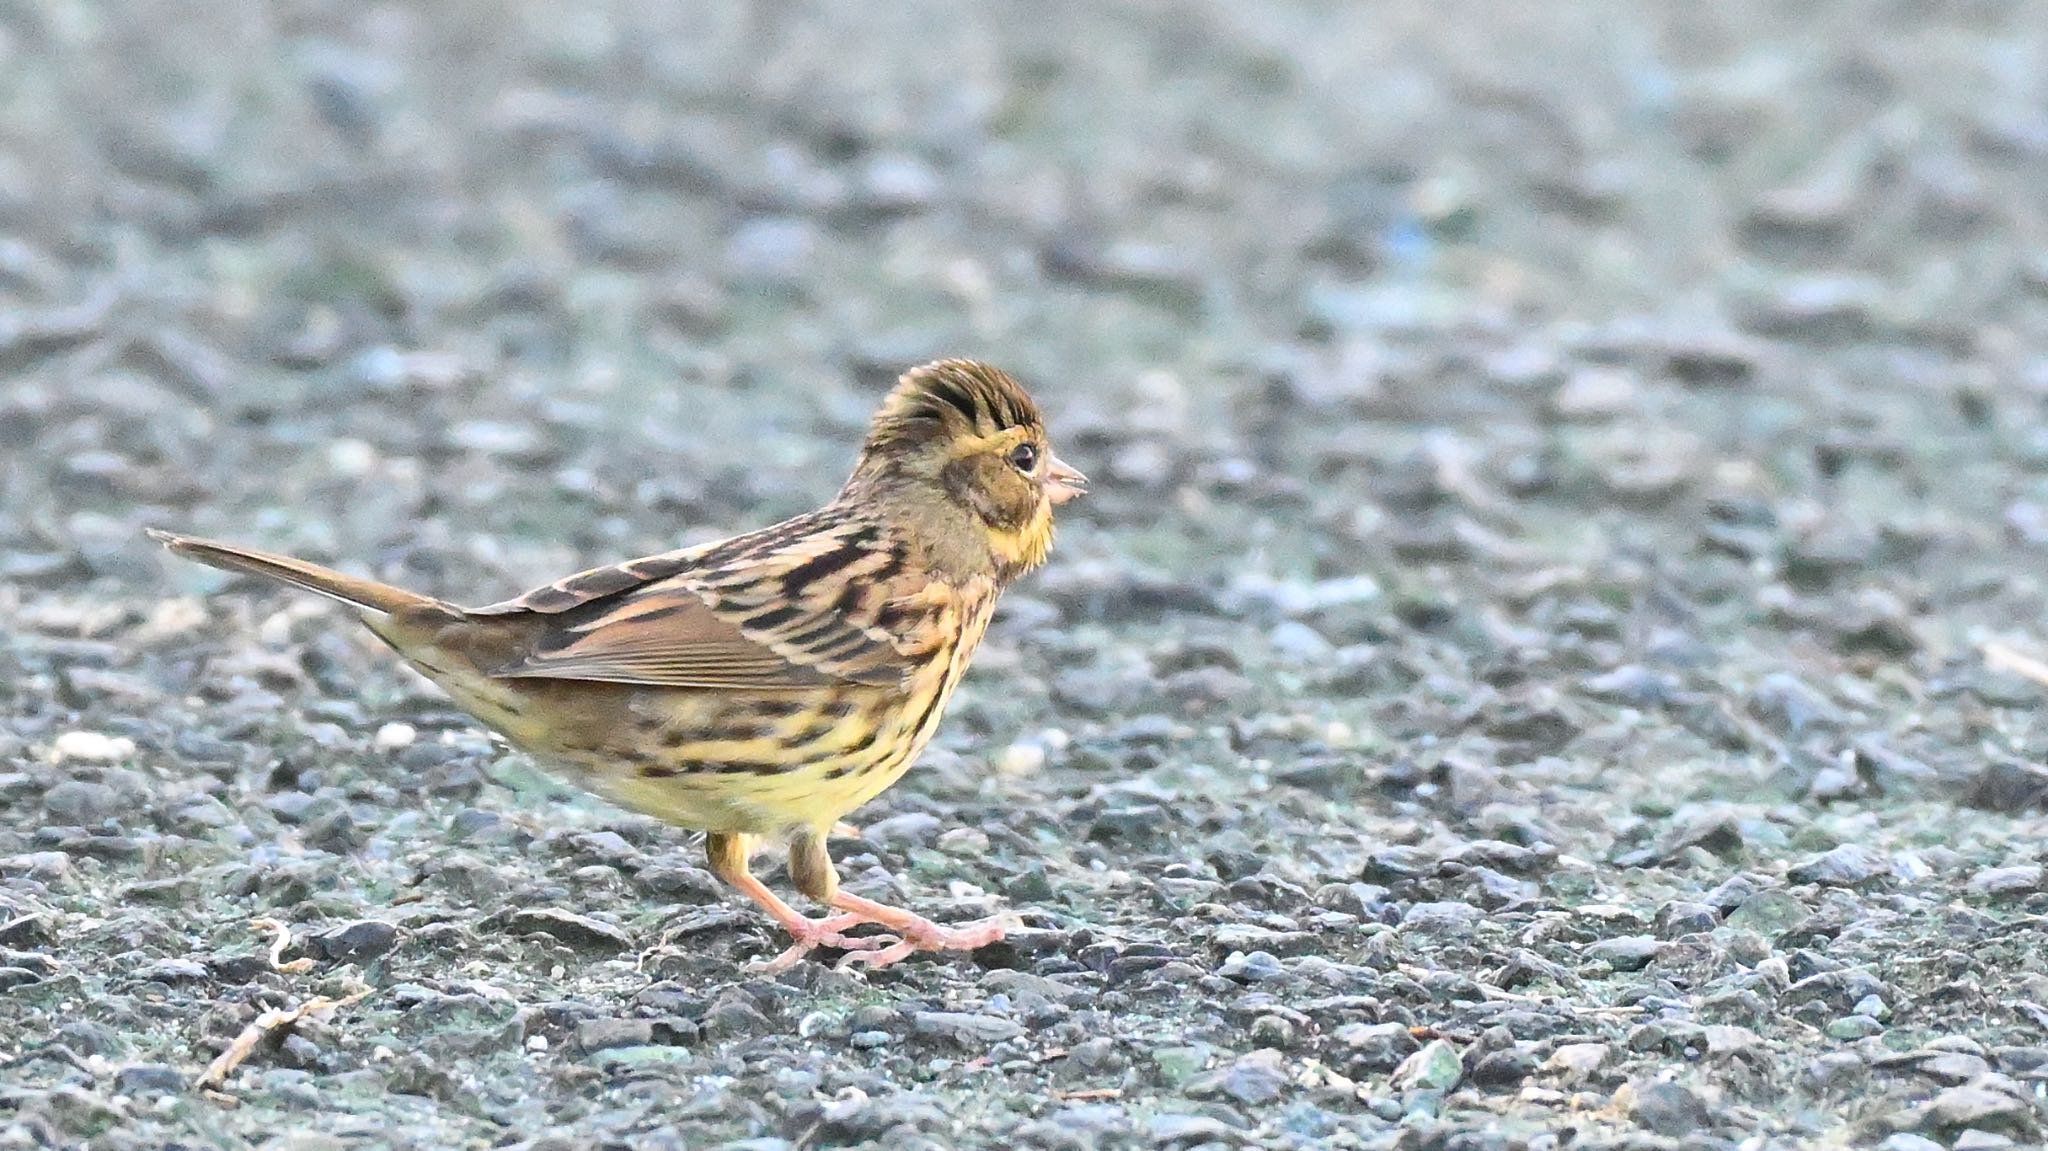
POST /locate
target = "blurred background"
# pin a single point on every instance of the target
(653, 266)
(1546, 457)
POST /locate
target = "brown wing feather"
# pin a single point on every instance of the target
(661, 634)
(800, 604)
(596, 583)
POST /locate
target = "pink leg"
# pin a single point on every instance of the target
(728, 855)
(917, 933)
(810, 934)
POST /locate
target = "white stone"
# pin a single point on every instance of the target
(1578, 1058)
(171, 618)
(351, 457)
(1022, 758)
(92, 747)
(393, 736)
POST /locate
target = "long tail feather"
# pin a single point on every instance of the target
(298, 573)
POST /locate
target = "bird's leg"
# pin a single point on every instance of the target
(810, 868)
(918, 933)
(728, 855)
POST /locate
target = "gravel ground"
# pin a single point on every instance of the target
(1521, 681)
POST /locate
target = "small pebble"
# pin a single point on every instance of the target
(92, 747)
(1252, 967)
(1851, 1027)
(1172, 1129)
(1255, 1079)
(1022, 758)
(1627, 953)
(965, 1028)
(964, 841)
(2008, 882)
(1437, 1067)
(1850, 865)
(1273, 1031)
(569, 927)
(351, 457)
(1669, 1109)
(1578, 1058)
(393, 736)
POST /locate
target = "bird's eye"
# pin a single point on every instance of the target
(1024, 457)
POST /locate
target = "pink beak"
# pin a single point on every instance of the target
(1063, 481)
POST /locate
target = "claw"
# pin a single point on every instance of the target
(924, 935)
(811, 934)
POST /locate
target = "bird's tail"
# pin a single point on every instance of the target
(298, 573)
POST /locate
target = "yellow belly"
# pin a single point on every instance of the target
(762, 763)
(806, 796)
(714, 761)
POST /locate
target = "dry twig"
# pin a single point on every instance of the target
(1089, 1094)
(275, 1019)
(2003, 658)
(281, 938)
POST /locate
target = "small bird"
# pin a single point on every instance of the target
(767, 684)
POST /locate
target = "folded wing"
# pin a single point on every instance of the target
(753, 613)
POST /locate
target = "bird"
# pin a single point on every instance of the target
(761, 687)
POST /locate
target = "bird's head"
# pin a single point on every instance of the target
(964, 435)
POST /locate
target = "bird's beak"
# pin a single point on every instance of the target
(1063, 481)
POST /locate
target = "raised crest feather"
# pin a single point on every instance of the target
(949, 397)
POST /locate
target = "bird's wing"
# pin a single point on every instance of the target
(804, 603)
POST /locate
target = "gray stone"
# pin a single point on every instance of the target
(357, 942)
(604, 1034)
(1769, 913)
(1256, 1078)
(911, 829)
(1437, 1067)
(966, 1029)
(580, 931)
(1981, 1103)
(1669, 1109)
(1626, 953)
(82, 802)
(1171, 1129)
(2008, 882)
(1850, 865)
(151, 1079)
(1442, 918)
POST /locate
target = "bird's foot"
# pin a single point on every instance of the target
(917, 933)
(811, 934)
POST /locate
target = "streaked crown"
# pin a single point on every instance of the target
(949, 398)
